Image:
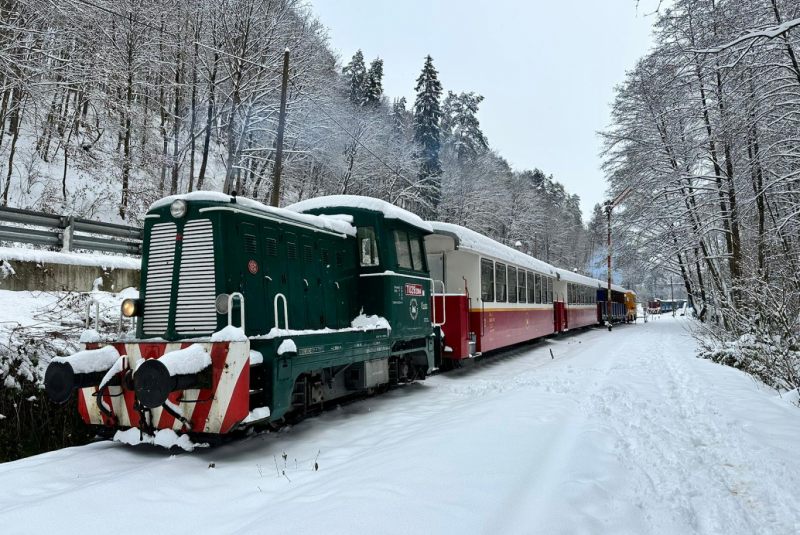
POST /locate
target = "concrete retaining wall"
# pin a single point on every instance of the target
(29, 275)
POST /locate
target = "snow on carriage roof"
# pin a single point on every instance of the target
(474, 241)
(320, 221)
(388, 210)
(571, 276)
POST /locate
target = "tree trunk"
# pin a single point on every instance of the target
(14, 121)
(209, 121)
(176, 125)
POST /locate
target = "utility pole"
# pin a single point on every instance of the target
(672, 291)
(276, 181)
(610, 206)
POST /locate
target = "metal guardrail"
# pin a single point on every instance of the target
(69, 232)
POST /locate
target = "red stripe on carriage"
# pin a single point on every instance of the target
(500, 328)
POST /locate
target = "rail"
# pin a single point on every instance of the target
(68, 232)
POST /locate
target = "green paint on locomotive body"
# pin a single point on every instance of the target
(261, 254)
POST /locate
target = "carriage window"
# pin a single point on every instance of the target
(531, 287)
(500, 282)
(570, 294)
(549, 290)
(401, 246)
(521, 286)
(436, 265)
(512, 284)
(368, 246)
(416, 253)
(487, 280)
(538, 294)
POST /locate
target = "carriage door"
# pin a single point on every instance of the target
(274, 273)
(312, 282)
(253, 279)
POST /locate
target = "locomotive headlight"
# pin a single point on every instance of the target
(178, 208)
(221, 303)
(131, 307)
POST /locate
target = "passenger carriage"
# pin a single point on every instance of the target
(494, 296)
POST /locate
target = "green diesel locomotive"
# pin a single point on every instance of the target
(250, 314)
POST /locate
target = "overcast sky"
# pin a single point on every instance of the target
(547, 68)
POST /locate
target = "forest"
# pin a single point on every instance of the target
(106, 106)
(705, 133)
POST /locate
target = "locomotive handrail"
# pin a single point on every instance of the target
(241, 308)
(285, 311)
(444, 308)
(96, 313)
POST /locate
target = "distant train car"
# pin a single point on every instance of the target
(630, 306)
(619, 308)
(579, 294)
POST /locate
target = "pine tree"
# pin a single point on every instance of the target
(427, 114)
(356, 74)
(400, 114)
(460, 128)
(373, 90)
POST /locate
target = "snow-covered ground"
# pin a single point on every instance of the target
(625, 432)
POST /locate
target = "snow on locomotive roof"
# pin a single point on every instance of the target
(333, 224)
(388, 210)
(474, 241)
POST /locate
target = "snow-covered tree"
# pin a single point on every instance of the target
(460, 128)
(427, 115)
(373, 87)
(356, 75)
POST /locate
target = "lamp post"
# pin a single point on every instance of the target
(610, 206)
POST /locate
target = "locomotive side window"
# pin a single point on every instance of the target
(549, 290)
(512, 284)
(521, 286)
(416, 253)
(531, 288)
(500, 282)
(368, 246)
(487, 280)
(401, 246)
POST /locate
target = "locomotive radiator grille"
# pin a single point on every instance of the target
(158, 286)
(195, 310)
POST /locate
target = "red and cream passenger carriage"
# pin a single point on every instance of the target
(489, 295)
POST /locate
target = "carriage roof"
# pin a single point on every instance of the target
(473, 241)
